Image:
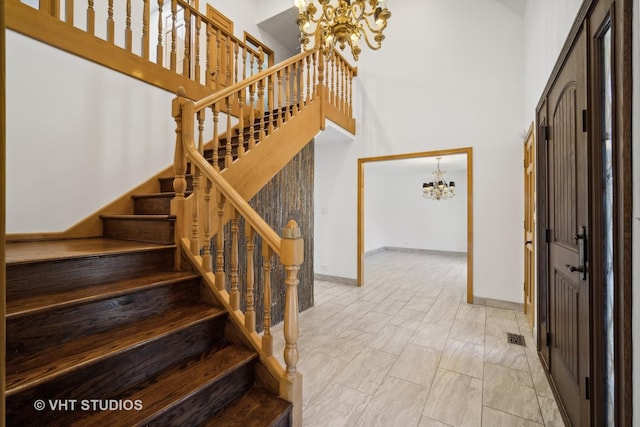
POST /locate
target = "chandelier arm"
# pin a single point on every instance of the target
(366, 39)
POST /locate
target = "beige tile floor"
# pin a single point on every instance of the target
(407, 350)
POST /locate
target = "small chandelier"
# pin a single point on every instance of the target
(438, 189)
(342, 24)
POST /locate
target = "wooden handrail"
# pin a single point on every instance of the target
(257, 222)
(231, 90)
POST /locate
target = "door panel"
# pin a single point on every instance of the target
(529, 213)
(568, 217)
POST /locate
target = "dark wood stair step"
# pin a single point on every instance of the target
(153, 204)
(256, 408)
(59, 360)
(141, 228)
(186, 394)
(61, 318)
(41, 268)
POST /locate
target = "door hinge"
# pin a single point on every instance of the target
(547, 235)
(587, 388)
(548, 339)
(584, 120)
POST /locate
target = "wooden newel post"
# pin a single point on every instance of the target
(180, 170)
(292, 256)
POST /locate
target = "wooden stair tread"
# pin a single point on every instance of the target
(147, 217)
(52, 250)
(154, 195)
(39, 303)
(55, 361)
(173, 386)
(256, 408)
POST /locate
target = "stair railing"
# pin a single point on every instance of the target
(267, 102)
(170, 34)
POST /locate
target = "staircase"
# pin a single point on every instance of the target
(108, 324)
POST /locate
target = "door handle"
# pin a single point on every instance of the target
(582, 254)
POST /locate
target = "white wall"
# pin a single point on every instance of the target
(78, 135)
(449, 75)
(546, 25)
(396, 214)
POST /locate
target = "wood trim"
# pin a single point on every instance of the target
(3, 212)
(361, 185)
(220, 19)
(47, 29)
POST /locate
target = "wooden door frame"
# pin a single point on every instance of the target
(529, 196)
(622, 24)
(360, 246)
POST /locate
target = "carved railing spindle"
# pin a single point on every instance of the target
(227, 70)
(146, 16)
(128, 39)
(240, 149)
(234, 294)
(296, 89)
(196, 70)
(218, 59)
(110, 23)
(220, 276)
(159, 59)
(287, 92)
(228, 158)
(68, 12)
(252, 116)
(292, 256)
(91, 18)
(267, 338)
(270, 101)
(186, 60)
(308, 97)
(208, 75)
(216, 137)
(206, 255)
(280, 111)
(195, 183)
(180, 167)
(174, 35)
(250, 311)
(235, 63)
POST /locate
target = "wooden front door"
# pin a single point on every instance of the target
(567, 234)
(529, 213)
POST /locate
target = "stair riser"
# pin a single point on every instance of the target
(39, 278)
(108, 378)
(160, 205)
(139, 229)
(31, 333)
(208, 400)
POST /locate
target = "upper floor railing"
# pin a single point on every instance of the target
(170, 39)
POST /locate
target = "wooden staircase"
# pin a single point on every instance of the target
(104, 323)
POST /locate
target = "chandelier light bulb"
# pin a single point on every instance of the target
(300, 4)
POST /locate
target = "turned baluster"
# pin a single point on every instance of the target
(287, 92)
(186, 60)
(68, 12)
(250, 312)
(206, 255)
(320, 68)
(280, 107)
(228, 158)
(220, 276)
(334, 80)
(216, 137)
(270, 100)
(234, 294)
(343, 86)
(146, 16)
(195, 174)
(218, 59)
(261, 109)
(228, 64)
(196, 69)
(110, 23)
(316, 67)
(252, 116)
(244, 63)
(296, 89)
(207, 68)
(174, 35)
(128, 41)
(291, 256)
(240, 149)
(159, 59)
(308, 72)
(91, 18)
(267, 338)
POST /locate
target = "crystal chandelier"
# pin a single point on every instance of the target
(346, 22)
(438, 189)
